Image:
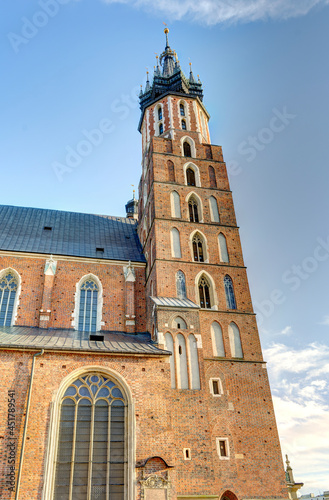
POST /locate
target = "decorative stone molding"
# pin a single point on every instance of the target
(129, 272)
(50, 266)
(155, 482)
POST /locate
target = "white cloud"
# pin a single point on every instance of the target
(300, 382)
(325, 321)
(212, 12)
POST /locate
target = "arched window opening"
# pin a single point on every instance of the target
(8, 291)
(160, 129)
(194, 363)
(217, 339)
(190, 177)
(182, 109)
(171, 171)
(183, 125)
(197, 244)
(235, 341)
(193, 210)
(204, 293)
(92, 445)
(88, 306)
(175, 243)
(229, 292)
(180, 285)
(170, 347)
(182, 362)
(187, 150)
(212, 177)
(213, 209)
(160, 113)
(175, 205)
(223, 253)
(179, 323)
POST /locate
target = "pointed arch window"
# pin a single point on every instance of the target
(182, 109)
(212, 177)
(175, 205)
(213, 209)
(170, 347)
(223, 253)
(183, 125)
(8, 291)
(193, 210)
(92, 444)
(194, 362)
(187, 150)
(182, 362)
(88, 306)
(190, 177)
(204, 293)
(229, 292)
(197, 245)
(160, 129)
(179, 323)
(235, 341)
(175, 243)
(217, 339)
(180, 285)
(171, 171)
(160, 113)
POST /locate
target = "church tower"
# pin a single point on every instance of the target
(198, 300)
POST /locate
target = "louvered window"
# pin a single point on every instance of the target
(91, 449)
(88, 306)
(8, 289)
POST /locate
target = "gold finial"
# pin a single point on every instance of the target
(166, 30)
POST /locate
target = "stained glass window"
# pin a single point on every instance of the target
(8, 290)
(204, 293)
(88, 306)
(229, 292)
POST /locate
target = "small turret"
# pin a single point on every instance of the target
(132, 208)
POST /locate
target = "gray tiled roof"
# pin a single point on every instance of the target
(174, 302)
(71, 234)
(21, 337)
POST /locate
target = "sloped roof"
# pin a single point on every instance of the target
(72, 234)
(174, 302)
(20, 337)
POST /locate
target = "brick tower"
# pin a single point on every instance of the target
(198, 300)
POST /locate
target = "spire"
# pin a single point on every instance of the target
(192, 79)
(147, 86)
(157, 71)
(289, 474)
(167, 58)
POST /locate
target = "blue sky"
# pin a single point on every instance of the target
(73, 66)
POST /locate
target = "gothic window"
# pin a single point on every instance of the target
(180, 285)
(88, 306)
(175, 205)
(217, 339)
(182, 362)
(182, 109)
(160, 129)
(223, 253)
(8, 290)
(179, 323)
(190, 177)
(92, 446)
(194, 362)
(170, 171)
(175, 243)
(160, 113)
(187, 151)
(229, 292)
(183, 125)
(204, 293)
(213, 209)
(212, 177)
(235, 341)
(193, 210)
(197, 245)
(170, 347)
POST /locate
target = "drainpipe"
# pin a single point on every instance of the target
(26, 423)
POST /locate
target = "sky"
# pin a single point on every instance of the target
(71, 73)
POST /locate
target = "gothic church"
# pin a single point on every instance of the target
(131, 366)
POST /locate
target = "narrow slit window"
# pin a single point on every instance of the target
(160, 129)
(182, 109)
(183, 125)
(160, 113)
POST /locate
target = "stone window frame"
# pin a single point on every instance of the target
(99, 322)
(157, 120)
(185, 117)
(220, 386)
(212, 291)
(3, 273)
(194, 167)
(196, 197)
(53, 431)
(191, 142)
(205, 246)
(174, 250)
(218, 440)
(222, 241)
